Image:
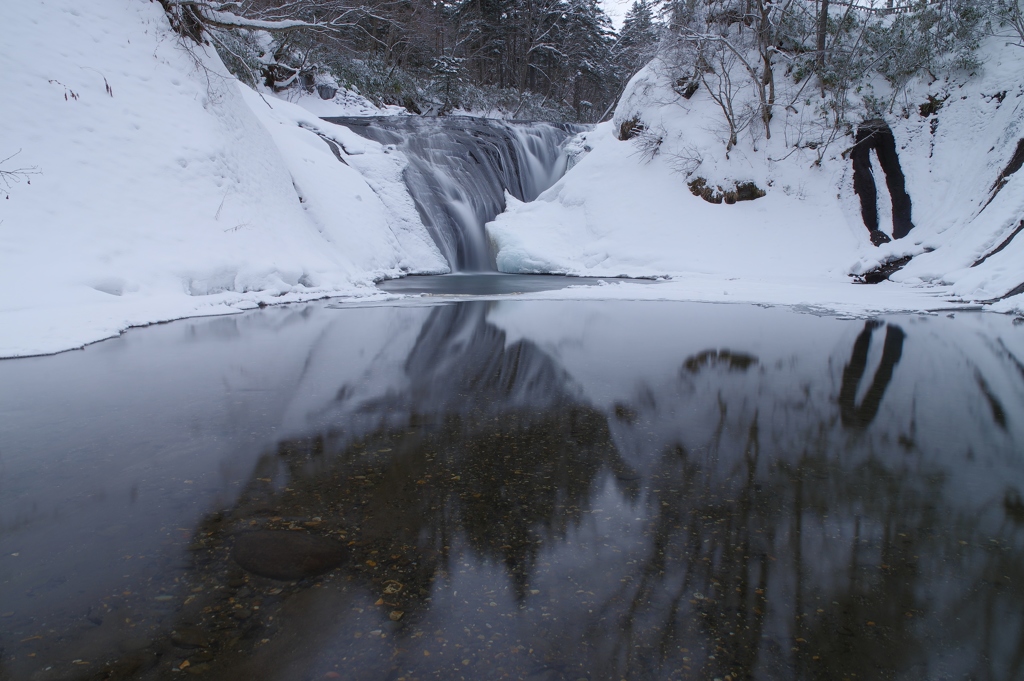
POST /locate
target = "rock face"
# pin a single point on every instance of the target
(286, 555)
(876, 135)
(744, 191)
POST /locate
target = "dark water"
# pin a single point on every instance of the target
(489, 284)
(517, 489)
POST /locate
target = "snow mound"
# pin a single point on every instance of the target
(166, 189)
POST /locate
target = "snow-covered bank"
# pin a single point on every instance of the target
(626, 208)
(165, 189)
(813, 296)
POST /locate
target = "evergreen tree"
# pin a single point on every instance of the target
(638, 39)
(587, 39)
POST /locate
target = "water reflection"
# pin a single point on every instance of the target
(861, 416)
(605, 491)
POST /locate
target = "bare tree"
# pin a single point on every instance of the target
(193, 17)
(1008, 13)
(717, 78)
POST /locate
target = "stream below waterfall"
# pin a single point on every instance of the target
(541, 490)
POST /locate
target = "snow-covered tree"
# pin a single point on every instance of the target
(756, 57)
(447, 76)
(639, 38)
(587, 38)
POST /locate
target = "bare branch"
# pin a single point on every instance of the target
(15, 175)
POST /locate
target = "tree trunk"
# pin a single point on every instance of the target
(767, 76)
(822, 32)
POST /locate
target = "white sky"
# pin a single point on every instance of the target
(616, 9)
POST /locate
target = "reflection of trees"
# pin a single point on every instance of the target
(839, 561)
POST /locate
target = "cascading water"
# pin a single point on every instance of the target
(459, 170)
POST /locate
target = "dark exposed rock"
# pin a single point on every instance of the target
(883, 271)
(630, 128)
(1015, 164)
(699, 187)
(747, 191)
(744, 191)
(1015, 291)
(932, 106)
(876, 135)
(286, 555)
(687, 88)
(878, 237)
(326, 91)
(1004, 244)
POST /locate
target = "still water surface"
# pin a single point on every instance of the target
(490, 283)
(518, 489)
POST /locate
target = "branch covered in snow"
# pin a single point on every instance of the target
(194, 18)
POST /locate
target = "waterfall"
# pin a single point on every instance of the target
(460, 167)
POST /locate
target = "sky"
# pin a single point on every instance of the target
(616, 9)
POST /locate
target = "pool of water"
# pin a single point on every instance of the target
(490, 283)
(518, 489)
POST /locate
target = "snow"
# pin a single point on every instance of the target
(176, 193)
(621, 212)
(167, 189)
(344, 103)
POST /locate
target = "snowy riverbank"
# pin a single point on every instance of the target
(165, 191)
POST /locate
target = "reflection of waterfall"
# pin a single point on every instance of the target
(486, 450)
(459, 170)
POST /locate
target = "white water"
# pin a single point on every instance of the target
(461, 167)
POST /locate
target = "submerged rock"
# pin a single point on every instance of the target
(286, 555)
(189, 637)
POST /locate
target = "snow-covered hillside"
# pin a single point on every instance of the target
(626, 207)
(166, 189)
(156, 186)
